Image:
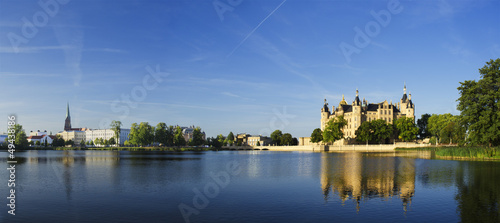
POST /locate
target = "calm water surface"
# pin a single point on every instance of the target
(249, 186)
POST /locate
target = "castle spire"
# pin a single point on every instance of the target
(404, 88)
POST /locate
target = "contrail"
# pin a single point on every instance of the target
(246, 37)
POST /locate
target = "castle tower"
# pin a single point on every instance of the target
(67, 122)
(325, 115)
(407, 107)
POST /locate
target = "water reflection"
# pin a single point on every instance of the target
(478, 196)
(354, 176)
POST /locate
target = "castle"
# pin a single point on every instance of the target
(361, 111)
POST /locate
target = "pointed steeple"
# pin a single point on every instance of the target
(67, 122)
(67, 110)
(404, 88)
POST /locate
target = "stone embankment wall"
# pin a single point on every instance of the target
(319, 148)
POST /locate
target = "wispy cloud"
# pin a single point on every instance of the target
(39, 49)
(29, 74)
(253, 30)
(33, 49)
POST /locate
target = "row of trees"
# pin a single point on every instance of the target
(479, 119)
(281, 139)
(376, 131)
(144, 134)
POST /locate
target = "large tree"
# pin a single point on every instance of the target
(423, 131)
(179, 139)
(317, 135)
(479, 104)
(197, 137)
(333, 130)
(276, 137)
(382, 131)
(116, 126)
(146, 134)
(407, 129)
(437, 123)
(161, 133)
(20, 136)
(364, 133)
(133, 137)
(287, 139)
(230, 139)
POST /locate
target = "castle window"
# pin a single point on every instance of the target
(389, 119)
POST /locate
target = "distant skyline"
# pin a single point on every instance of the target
(241, 66)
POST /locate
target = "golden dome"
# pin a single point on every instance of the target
(343, 102)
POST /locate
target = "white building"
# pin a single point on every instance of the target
(75, 136)
(41, 138)
(106, 134)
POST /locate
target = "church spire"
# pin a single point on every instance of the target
(67, 122)
(67, 110)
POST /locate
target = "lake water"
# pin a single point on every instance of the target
(249, 186)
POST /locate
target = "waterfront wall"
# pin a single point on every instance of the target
(319, 148)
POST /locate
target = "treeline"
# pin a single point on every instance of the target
(442, 128)
(376, 131)
(144, 134)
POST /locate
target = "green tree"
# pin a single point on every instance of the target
(58, 141)
(179, 137)
(382, 131)
(437, 123)
(82, 143)
(258, 143)
(407, 129)
(295, 141)
(287, 139)
(230, 139)
(37, 143)
(116, 126)
(221, 139)
(317, 135)
(170, 135)
(112, 141)
(364, 133)
(197, 137)
(161, 133)
(69, 143)
(479, 104)
(333, 130)
(276, 137)
(133, 136)
(20, 137)
(145, 135)
(423, 131)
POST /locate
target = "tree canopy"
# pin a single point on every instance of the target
(276, 137)
(287, 139)
(423, 131)
(406, 128)
(116, 126)
(333, 130)
(317, 135)
(479, 104)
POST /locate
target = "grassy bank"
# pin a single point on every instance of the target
(461, 152)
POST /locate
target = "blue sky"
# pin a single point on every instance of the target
(252, 66)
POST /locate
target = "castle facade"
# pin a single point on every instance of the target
(361, 111)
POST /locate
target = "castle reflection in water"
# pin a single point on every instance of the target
(360, 177)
